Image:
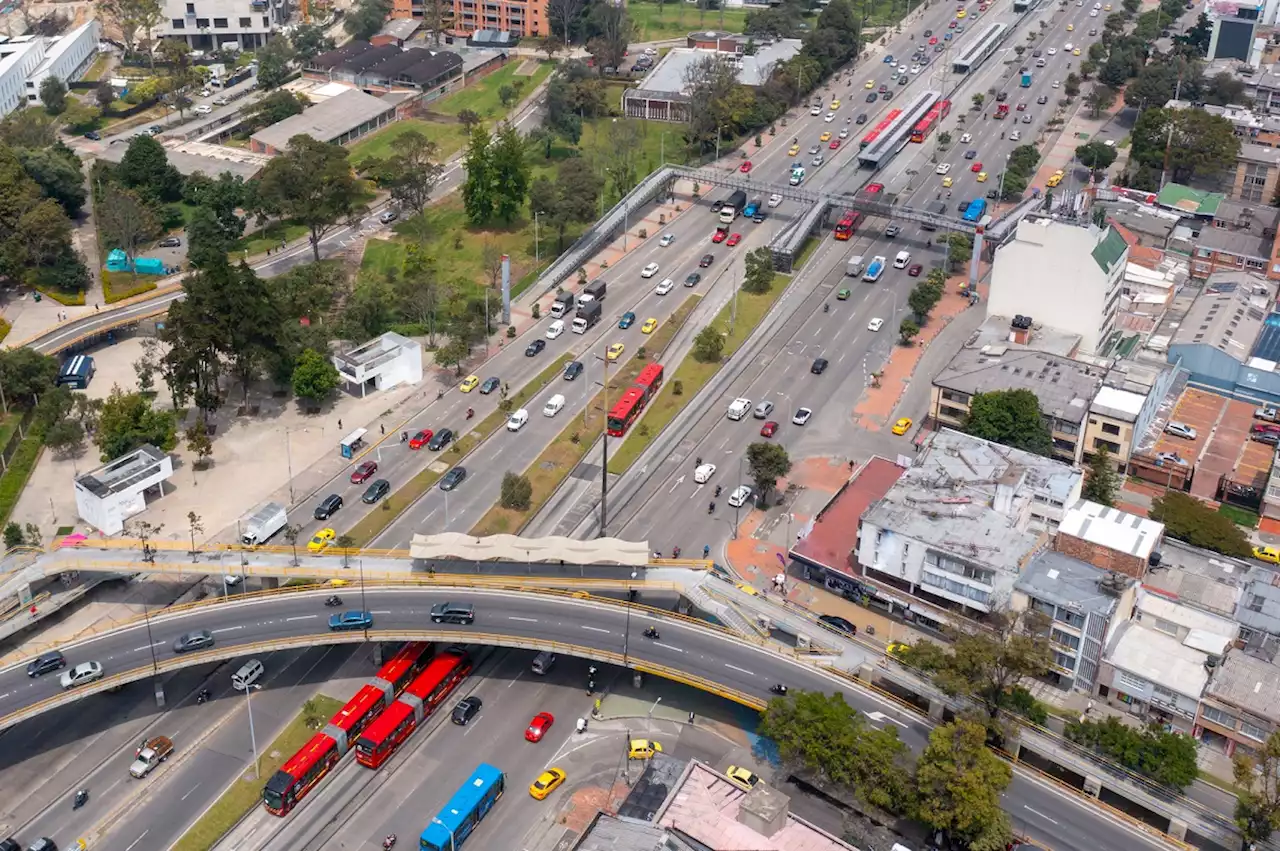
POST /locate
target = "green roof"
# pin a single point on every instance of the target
(1109, 250)
(1193, 202)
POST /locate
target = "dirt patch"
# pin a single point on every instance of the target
(527, 68)
(819, 473)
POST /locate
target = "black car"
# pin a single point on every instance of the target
(453, 478)
(1001, 97)
(928, 33)
(93, 136)
(707, 260)
(197, 640)
(534, 347)
(170, 242)
(376, 491)
(46, 662)
(440, 440)
(886, 95)
(466, 710)
(872, 96)
(491, 384)
(692, 279)
(970, 154)
(838, 623)
(819, 366)
(572, 370)
(1036, 53)
(962, 206)
(328, 506)
(759, 217)
(1042, 100)
(861, 119)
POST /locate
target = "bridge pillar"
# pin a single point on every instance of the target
(936, 710)
(1178, 830)
(977, 256)
(684, 606)
(1092, 785)
(866, 673)
(379, 656)
(159, 693)
(270, 583)
(637, 679)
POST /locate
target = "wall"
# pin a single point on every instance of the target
(1119, 445)
(1100, 556)
(1219, 372)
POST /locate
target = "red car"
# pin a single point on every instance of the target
(539, 726)
(769, 429)
(720, 236)
(1022, 107)
(835, 145)
(976, 167)
(952, 25)
(745, 167)
(915, 270)
(933, 40)
(734, 239)
(364, 472)
(873, 188)
(420, 439)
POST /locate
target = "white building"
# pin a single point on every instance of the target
(18, 58)
(1155, 675)
(66, 57)
(388, 361)
(111, 494)
(1066, 274)
(212, 24)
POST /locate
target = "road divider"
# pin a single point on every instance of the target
(397, 502)
(742, 315)
(554, 464)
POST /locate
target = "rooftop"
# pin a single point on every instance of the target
(1259, 154)
(1071, 583)
(997, 331)
(1064, 387)
(1247, 683)
(1143, 222)
(833, 535)
(1158, 658)
(616, 833)
(1118, 404)
(60, 45)
(1192, 202)
(1112, 528)
(416, 65)
(325, 121)
(1228, 314)
(400, 28)
(1200, 577)
(124, 472)
(192, 157)
(1167, 608)
(1246, 230)
(669, 75)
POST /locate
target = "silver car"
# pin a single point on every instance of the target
(85, 672)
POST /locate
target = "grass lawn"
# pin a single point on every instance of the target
(655, 21)
(97, 69)
(481, 97)
(563, 454)
(246, 792)
(448, 137)
(258, 241)
(1240, 516)
(693, 375)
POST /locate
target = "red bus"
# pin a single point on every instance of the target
(931, 120)
(634, 400)
(650, 378)
(848, 224)
(360, 711)
(879, 128)
(300, 774)
(419, 701)
(404, 666)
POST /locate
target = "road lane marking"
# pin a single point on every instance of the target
(136, 841)
(227, 629)
(1038, 813)
(526, 620)
(667, 647)
(881, 717)
(380, 612)
(597, 629)
(189, 792)
(302, 618)
(743, 670)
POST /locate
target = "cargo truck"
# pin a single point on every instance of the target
(588, 315)
(875, 269)
(562, 305)
(149, 754)
(733, 205)
(593, 291)
(263, 523)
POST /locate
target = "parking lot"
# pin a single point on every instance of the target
(1222, 446)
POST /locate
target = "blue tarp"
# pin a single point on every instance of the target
(118, 261)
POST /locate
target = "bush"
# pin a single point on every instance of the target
(644, 233)
(517, 492)
(1188, 519)
(1168, 758)
(537, 311)
(511, 332)
(1021, 702)
(677, 388)
(117, 286)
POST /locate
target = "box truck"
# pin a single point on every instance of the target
(263, 523)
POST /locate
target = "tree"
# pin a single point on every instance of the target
(959, 251)
(13, 535)
(1225, 89)
(510, 173)
(145, 169)
(1011, 417)
(274, 59)
(517, 492)
(1100, 99)
(922, 300)
(366, 18)
(65, 436)
(1101, 485)
(469, 119)
(1257, 776)
(1188, 519)
(757, 275)
(56, 170)
(478, 196)
(128, 421)
(506, 94)
(131, 17)
(907, 331)
(199, 442)
(105, 94)
(1071, 85)
(314, 377)
(766, 463)
(564, 15)
(53, 94)
(412, 172)
(828, 743)
(273, 108)
(959, 782)
(1096, 156)
(571, 197)
(1166, 757)
(708, 346)
(26, 374)
(309, 41)
(978, 99)
(612, 31)
(311, 183)
(126, 222)
(1199, 144)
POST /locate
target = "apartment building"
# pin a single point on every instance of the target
(1238, 236)
(1240, 707)
(213, 24)
(519, 17)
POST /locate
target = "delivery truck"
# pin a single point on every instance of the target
(1026, 80)
(593, 291)
(563, 304)
(733, 205)
(264, 522)
(588, 316)
(149, 754)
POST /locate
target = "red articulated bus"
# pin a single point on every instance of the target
(931, 120)
(400, 670)
(848, 224)
(300, 774)
(879, 128)
(635, 399)
(416, 705)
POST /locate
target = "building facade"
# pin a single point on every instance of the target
(212, 24)
(67, 57)
(518, 17)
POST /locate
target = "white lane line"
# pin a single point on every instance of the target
(668, 647)
(302, 618)
(1038, 813)
(227, 629)
(143, 647)
(136, 841)
(597, 629)
(189, 792)
(881, 717)
(380, 612)
(526, 620)
(736, 668)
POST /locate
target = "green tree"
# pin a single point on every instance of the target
(922, 300)
(1188, 519)
(314, 377)
(13, 535)
(1096, 156)
(365, 18)
(309, 41)
(311, 183)
(53, 94)
(478, 196)
(145, 169)
(272, 109)
(1199, 144)
(199, 442)
(26, 374)
(1257, 777)
(757, 275)
(1101, 484)
(56, 170)
(104, 94)
(506, 94)
(571, 198)
(959, 782)
(960, 249)
(469, 119)
(908, 330)
(126, 222)
(708, 346)
(1071, 85)
(274, 59)
(1166, 757)
(1099, 100)
(766, 463)
(516, 493)
(510, 171)
(412, 172)
(128, 421)
(1011, 417)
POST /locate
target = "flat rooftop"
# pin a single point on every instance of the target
(1064, 387)
(669, 74)
(1112, 528)
(997, 330)
(326, 121)
(124, 472)
(1200, 577)
(833, 538)
(1073, 584)
(1160, 658)
(1118, 404)
(192, 157)
(1248, 683)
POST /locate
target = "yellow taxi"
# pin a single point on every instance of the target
(1106, 8)
(321, 539)
(1075, 52)
(982, 177)
(825, 137)
(649, 326)
(1055, 178)
(615, 351)
(897, 648)
(338, 583)
(1071, 27)
(946, 182)
(746, 589)
(835, 104)
(547, 782)
(902, 425)
(1268, 554)
(643, 749)
(741, 777)
(962, 14)
(871, 84)
(793, 150)
(469, 383)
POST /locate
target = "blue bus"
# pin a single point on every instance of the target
(472, 802)
(977, 207)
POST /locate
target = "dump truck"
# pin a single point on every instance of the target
(149, 754)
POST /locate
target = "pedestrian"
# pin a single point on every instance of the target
(96, 308)
(690, 717)
(1088, 708)
(382, 428)
(339, 425)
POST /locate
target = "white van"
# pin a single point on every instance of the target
(250, 672)
(555, 329)
(855, 266)
(739, 408)
(901, 261)
(553, 406)
(517, 420)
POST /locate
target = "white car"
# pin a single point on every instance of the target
(649, 271)
(667, 239)
(1178, 429)
(831, 116)
(1057, 85)
(1052, 51)
(942, 168)
(203, 109)
(555, 329)
(736, 499)
(844, 132)
(966, 138)
(902, 69)
(703, 474)
(875, 324)
(85, 672)
(666, 286)
(915, 69)
(517, 420)
(802, 416)
(1067, 47)
(817, 110)
(1015, 135)
(1093, 13)
(775, 200)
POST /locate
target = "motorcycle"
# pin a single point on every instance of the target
(675, 553)
(826, 308)
(389, 842)
(651, 632)
(711, 509)
(203, 696)
(82, 797)
(719, 489)
(333, 600)
(778, 689)
(471, 412)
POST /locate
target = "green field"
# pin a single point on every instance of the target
(657, 21)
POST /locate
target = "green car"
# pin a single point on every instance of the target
(843, 295)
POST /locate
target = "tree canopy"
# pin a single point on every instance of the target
(1011, 417)
(959, 782)
(1188, 519)
(312, 183)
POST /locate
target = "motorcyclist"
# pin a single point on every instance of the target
(675, 553)
(471, 412)
(826, 308)
(719, 488)
(778, 689)
(389, 842)
(706, 550)
(711, 509)
(650, 632)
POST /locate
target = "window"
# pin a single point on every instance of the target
(1256, 602)
(1255, 264)
(959, 568)
(1110, 428)
(245, 23)
(191, 8)
(219, 23)
(178, 24)
(1162, 625)
(1066, 639)
(1070, 618)
(1217, 716)
(1131, 683)
(1252, 732)
(202, 23)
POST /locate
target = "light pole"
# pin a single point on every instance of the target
(737, 508)
(151, 642)
(604, 448)
(253, 739)
(288, 458)
(648, 721)
(537, 243)
(626, 636)
(452, 845)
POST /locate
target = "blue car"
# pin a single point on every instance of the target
(351, 620)
(888, 60)
(751, 209)
(628, 319)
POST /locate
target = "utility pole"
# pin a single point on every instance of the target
(1168, 142)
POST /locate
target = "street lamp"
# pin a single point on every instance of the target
(604, 448)
(151, 642)
(253, 739)
(648, 723)
(452, 845)
(626, 636)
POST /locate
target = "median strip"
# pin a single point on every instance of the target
(396, 503)
(246, 791)
(564, 453)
